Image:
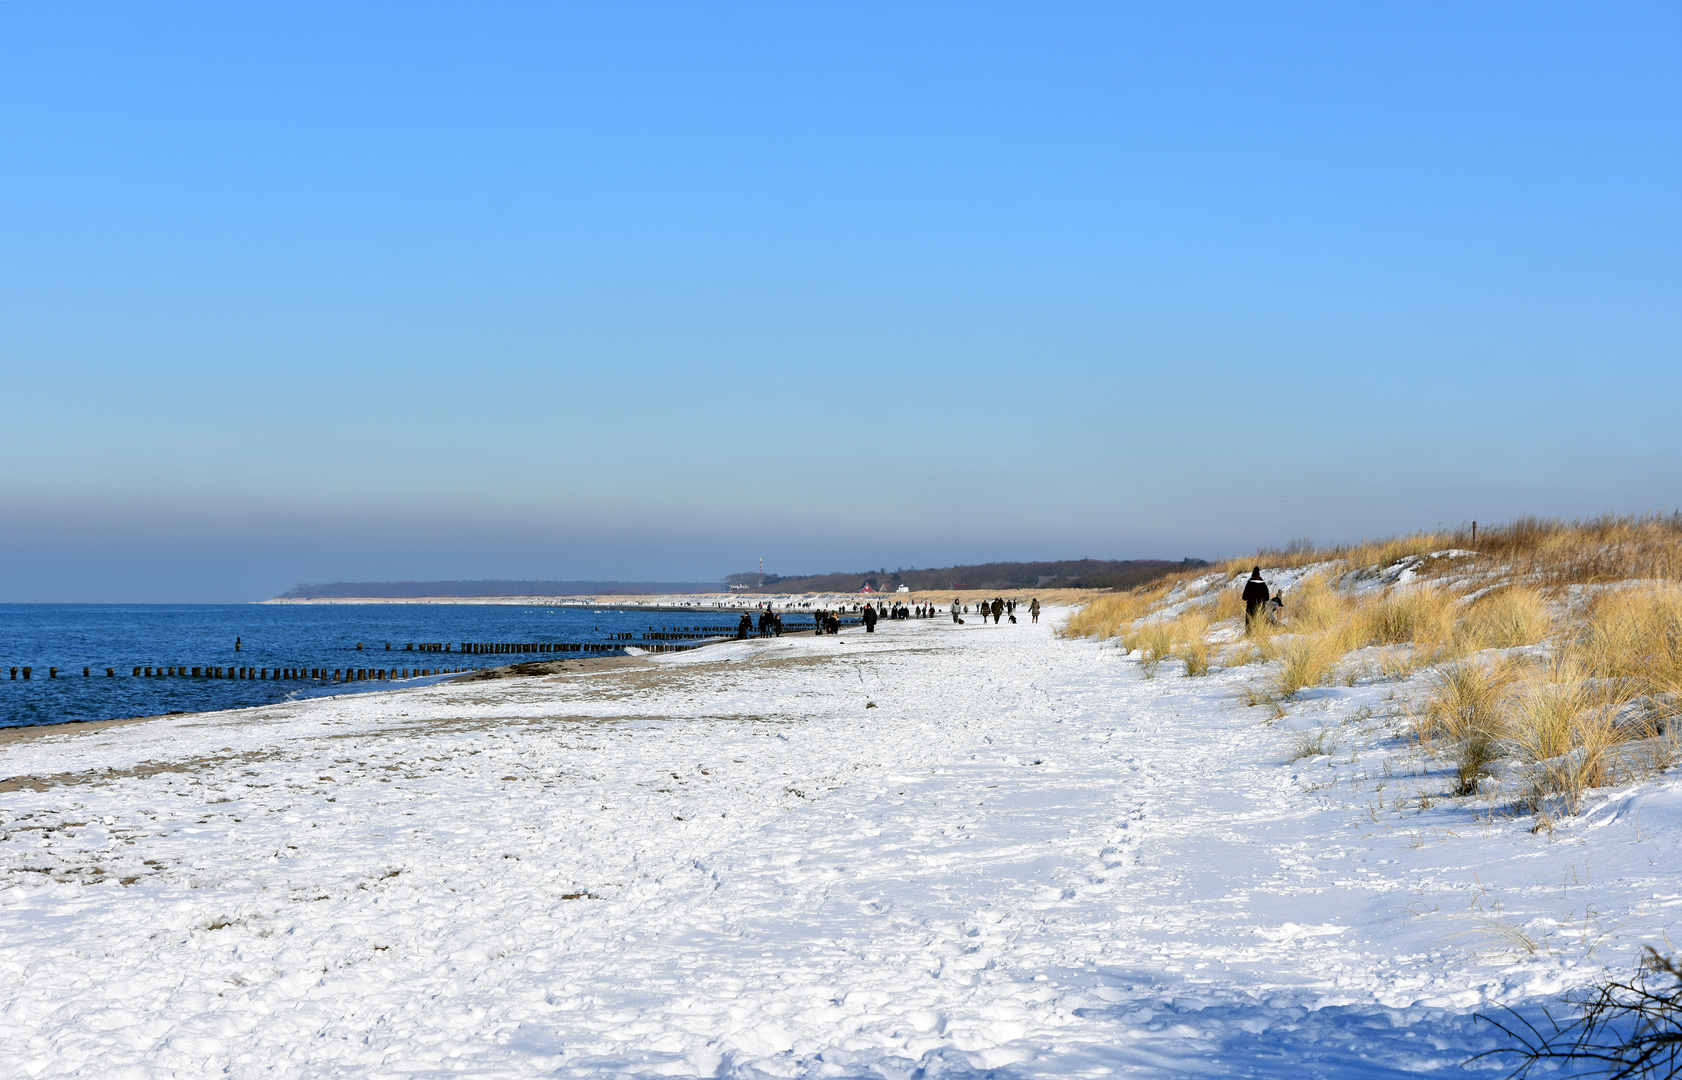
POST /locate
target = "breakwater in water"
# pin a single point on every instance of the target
(61, 663)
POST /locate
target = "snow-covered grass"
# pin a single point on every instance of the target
(1025, 860)
(1578, 675)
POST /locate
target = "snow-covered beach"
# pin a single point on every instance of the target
(934, 850)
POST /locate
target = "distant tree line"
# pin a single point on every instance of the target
(1066, 574)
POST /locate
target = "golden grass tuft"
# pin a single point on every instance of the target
(1315, 607)
(1505, 619)
(1417, 615)
(1192, 642)
(1155, 642)
(1466, 708)
(1305, 660)
(1591, 762)
(1547, 711)
(1633, 637)
(1466, 700)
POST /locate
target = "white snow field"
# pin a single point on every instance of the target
(1026, 860)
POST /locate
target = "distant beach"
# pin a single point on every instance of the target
(716, 601)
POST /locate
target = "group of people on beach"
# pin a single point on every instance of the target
(770, 624)
(996, 607)
(825, 621)
(1260, 602)
(875, 613)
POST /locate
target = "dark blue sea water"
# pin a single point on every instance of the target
(72, 637)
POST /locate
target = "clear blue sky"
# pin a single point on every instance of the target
(313, 292)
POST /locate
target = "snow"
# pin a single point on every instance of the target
(1026, 860)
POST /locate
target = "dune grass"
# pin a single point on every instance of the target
(1467, 709)
(1421, 616)
(1634, 637)
(1609, 673)
(1305, 660)
(1195, 653)
(1547, 711)
(1107, 616)
(1505, 619)
(1155, 642)
(1538, 551)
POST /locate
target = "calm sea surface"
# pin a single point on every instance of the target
(71, 637)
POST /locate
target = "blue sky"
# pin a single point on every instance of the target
(315, 292)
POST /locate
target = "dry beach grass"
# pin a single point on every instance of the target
(1555, 646)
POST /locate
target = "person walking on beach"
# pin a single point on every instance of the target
(744, 627)
(998, 609)
(1034, 609)
(1256, 596)
(955, 605)
(869, 619)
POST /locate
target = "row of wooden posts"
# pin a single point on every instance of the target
(620, 642)
(363, 674)
(491, 648)
(268, 674)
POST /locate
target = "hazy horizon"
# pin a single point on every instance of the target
(431, 292)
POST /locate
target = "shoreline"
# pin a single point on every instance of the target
(711, 601)
(519, 670)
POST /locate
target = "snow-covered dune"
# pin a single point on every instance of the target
(935, 850)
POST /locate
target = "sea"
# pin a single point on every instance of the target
(339, 637)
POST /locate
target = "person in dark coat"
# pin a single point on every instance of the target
(869, 619)
(1256, 596)
(744, 626)
(998, 609)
